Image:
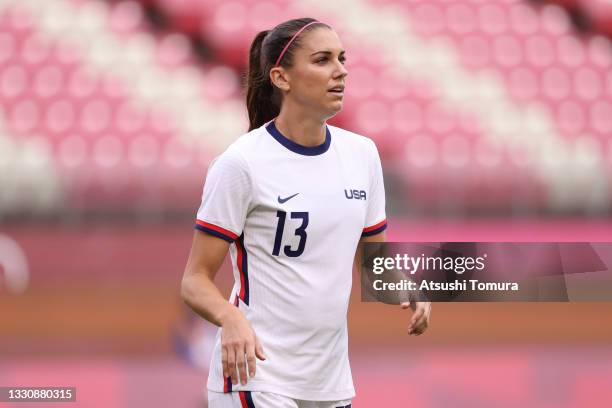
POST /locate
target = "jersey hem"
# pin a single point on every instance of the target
(288, 391)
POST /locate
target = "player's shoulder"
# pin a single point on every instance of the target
(351, 139)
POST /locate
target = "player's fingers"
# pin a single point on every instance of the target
(418, 314)
(421, 325)
(224, 362)
(405, 305)
(231, 364)
(241, 363)
(250, 359)
(259, 350)
(419, 330)
(416, 317)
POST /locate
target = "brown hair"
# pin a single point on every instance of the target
(263, 99)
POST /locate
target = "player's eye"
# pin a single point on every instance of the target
(323, 60)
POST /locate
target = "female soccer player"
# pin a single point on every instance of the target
(291, 200)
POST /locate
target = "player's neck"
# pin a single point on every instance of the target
(302, 129)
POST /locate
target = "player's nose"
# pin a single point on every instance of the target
(341, 70)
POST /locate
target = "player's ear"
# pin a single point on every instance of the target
(280, 78)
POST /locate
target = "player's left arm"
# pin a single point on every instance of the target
(421, 311)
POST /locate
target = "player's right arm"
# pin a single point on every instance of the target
(239, 344)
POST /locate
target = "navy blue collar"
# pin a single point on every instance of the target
(298, 148)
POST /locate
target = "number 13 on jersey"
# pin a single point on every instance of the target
(300, 232)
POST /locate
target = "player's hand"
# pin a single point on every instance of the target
(239, 346)
(421, 312)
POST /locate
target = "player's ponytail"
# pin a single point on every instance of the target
(263, 99)
(259, 101)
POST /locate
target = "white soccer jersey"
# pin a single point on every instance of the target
(295, 215)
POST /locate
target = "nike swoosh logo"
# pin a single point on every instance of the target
(284, 200)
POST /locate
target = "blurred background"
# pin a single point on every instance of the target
(493, 120)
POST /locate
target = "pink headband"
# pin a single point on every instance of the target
(280, 57)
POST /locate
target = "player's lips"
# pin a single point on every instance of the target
(337, 90)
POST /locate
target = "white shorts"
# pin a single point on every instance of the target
(254, 399)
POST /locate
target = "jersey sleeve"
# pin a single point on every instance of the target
(226, 197)
(376, 218)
